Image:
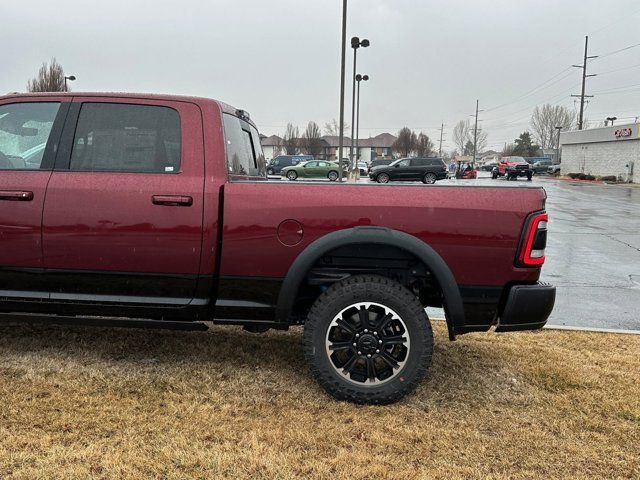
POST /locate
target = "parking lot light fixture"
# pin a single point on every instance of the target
(71, 78)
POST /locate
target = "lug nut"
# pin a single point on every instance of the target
(369, 356)
(355, 344)
(357, 335)
(359, 353)
(366, 331)
(380, 342)
(375, 333)
(377, 351)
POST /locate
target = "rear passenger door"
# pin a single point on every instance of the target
(122, 220)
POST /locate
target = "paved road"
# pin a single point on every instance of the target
(593, 252)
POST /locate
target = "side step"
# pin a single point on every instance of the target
(101, 322)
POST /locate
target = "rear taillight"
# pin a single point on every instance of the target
(535, 241)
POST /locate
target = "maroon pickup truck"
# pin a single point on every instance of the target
(155, 210)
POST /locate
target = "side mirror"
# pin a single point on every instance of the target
(396, 165)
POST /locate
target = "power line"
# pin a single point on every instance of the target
(604, 55)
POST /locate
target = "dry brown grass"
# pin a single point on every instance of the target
(109, 403)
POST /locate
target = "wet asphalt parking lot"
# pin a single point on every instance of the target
(593, 251)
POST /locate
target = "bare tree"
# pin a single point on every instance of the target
(424, 145)
(291, 140)
(333, 128)
(50, 79)
(311, 143)
(406, 142)
(544, 121)
(461, 134)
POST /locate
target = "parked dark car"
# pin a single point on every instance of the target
(427, 170)
(380, 162)
(276, 165)
(541, 166)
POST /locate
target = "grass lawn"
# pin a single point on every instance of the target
(111, 403)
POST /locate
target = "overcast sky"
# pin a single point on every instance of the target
(279, 59)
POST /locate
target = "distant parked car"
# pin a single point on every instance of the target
(554, 169)
(379, 162)
(364, 169)
(541, 166)
(488, 166)
(427, 170)
(315, 168)
(276, 165)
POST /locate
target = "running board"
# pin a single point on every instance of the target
(101, 322)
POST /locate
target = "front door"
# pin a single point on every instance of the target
(29, 131)
(122, 221)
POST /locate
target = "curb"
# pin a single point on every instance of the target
(577, 329)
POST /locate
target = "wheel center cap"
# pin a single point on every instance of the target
(367, 343)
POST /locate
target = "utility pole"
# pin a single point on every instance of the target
(584, 80)
(475, 133)
(441, 133)
(559, 129)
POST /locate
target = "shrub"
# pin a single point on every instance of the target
(573, 175)
(582, 176)
(609, 178)
(589, 177)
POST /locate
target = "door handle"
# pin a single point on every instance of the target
(172, 200)
(15, 196)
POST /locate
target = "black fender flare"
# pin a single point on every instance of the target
(452, 300)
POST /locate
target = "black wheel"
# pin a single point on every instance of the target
(367, 339)
(332, 175)
(270, 171)
(429, 178)
(292, 175)
(382, 178)
(494, 175)
(529, 175)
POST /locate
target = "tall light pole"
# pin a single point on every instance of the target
(71, 78)
(356, 43)
(475, 133)
(584, 81)
(359, 78)
(342, 75)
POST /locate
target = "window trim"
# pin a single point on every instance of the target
(245, 127)
(65, 149)
(54, 139)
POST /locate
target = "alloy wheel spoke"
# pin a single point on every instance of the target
(348, 367)
(389, 360)
(336, 346)
(382, 323)
(395, 340)
(371, 370)
(346, 327)
(363, 313)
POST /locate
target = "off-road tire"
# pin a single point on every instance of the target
(429, 178)
(380, 290)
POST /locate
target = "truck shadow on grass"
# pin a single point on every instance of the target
(467, 369)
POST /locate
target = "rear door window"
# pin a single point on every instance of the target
(115, 137)
(244, 152)
(25, 129)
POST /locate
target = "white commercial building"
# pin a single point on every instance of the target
(602, 152)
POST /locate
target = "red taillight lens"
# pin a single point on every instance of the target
(535, 241)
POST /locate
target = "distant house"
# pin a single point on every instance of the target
(379, 146)
(271, 146)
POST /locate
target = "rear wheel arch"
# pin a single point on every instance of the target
(452, 299)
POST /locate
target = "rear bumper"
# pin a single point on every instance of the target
(527, 308)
